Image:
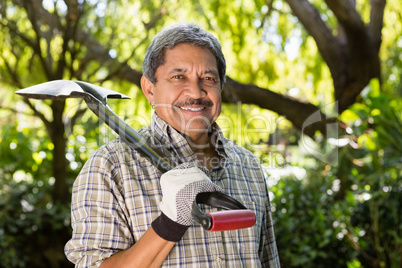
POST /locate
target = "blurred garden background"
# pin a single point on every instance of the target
(314, 90)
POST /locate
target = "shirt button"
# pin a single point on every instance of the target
(218, 260)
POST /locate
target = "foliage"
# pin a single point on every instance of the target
(305, 216)
(376, 181)
(29, 219)
(352, 209)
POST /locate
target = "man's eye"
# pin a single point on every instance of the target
(210, 79)
(178, 77)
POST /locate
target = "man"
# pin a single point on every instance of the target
(125, 213)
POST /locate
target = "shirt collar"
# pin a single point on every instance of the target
(173, 143)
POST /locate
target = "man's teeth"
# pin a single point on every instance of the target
(193, 109)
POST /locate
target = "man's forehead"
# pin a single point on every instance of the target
(175, 60)
(175, 70)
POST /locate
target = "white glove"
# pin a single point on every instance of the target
(180, 188)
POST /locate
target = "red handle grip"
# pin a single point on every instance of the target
(234, 216)
(231, 219)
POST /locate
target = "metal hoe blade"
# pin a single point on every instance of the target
(63, 89)
(96, 99)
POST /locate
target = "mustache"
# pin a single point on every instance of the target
(188, 102)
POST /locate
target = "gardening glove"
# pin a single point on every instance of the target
(179, 189)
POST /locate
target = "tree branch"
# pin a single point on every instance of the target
(40, 115)
(123, 64)
(13, 29)
(292, 109)
(12, 72)
(71, 121)
(152, 22)
(11, 110)
(376, 21)
(72, 18)
(345, 12)
(327, 44)
(33, 10)
(362, 51)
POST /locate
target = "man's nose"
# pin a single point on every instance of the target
(195, 90)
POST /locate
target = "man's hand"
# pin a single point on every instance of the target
(180, 188)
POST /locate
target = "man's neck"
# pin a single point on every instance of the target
(205, 151)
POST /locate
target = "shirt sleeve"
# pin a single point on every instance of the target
(97, 209)
(268, 250)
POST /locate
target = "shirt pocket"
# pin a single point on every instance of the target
(243, 244)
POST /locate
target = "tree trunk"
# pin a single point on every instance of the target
(57, 134)
(352, 55)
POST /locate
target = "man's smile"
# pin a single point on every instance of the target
(194, 105)
(192, 109)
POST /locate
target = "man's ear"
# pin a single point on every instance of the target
(148, 88)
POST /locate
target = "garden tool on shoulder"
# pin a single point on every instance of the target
(233, 215)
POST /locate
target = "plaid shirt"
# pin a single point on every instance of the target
(117, 194)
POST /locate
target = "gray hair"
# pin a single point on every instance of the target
(174, 35)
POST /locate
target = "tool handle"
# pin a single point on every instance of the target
(231, 219)
(127, 133)
(234, 216)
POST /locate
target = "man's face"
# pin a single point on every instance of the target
(187, 94)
